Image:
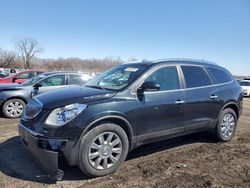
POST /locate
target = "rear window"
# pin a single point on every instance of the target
(195, 76)
(218, 76)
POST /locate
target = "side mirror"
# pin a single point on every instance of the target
(37, 85)
(149, 86)
(35, 89)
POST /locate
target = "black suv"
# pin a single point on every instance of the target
(95, 126)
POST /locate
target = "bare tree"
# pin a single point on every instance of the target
(28, 48)
(7, 58)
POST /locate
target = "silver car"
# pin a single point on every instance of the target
(14, 97)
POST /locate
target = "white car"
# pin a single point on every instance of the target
(246, 86)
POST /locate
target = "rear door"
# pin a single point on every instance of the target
(200, 98)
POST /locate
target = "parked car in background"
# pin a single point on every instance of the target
(95, 126)
(245, 84)
(21, 76)
(14, 97)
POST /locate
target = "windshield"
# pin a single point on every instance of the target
(33, 80)
(117, 78)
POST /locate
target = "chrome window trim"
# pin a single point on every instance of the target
(214, 85)
(147, 73)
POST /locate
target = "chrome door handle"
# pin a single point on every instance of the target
(179, 102)
(213, 97)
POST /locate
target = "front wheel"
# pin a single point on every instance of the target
(13, 108)
(102, 150)
(226, 125)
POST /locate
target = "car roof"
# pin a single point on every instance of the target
(176, 60)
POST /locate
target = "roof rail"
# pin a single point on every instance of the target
(185, 59)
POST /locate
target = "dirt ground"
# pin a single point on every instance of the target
(190, 161)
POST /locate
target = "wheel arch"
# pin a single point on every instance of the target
(17, 97)
(233, 106)
(118, 120)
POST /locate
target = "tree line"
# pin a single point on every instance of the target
(24, 56)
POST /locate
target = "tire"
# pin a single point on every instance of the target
(96, 155)
(226, 125)
(13, 108)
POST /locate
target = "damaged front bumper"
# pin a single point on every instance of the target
(46, 151)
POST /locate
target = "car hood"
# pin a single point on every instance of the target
(4, 87)
(72, 94)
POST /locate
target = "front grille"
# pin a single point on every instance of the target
(33, 108)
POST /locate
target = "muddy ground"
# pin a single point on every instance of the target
(190, 161)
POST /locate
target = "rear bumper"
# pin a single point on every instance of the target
(45, 151)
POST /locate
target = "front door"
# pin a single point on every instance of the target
(161, 112)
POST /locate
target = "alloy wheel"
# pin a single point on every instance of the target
(105, 150)
(228, 125)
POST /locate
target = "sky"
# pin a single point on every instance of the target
(214, 30)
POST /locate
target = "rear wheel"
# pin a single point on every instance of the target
(13, 108)
(102, 150)
(226, 125)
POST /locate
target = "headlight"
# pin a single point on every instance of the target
(63, 115)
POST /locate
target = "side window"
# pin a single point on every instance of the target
(195, 76)
(23, 76)
(166, 77)
(218, 76)
(76, 80)
(56, 80)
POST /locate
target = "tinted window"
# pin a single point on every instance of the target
(195, 76)
(166, 77)
(56, 80)
(218, 76)
(76, 80)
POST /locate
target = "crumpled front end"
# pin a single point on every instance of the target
(46, 151)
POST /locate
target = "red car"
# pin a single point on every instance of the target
(21, 76)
